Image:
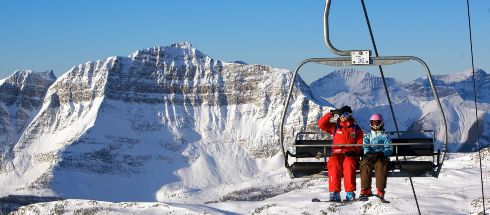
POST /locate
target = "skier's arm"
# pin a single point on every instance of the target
(365, 143)
(388, 148)
(325, 124)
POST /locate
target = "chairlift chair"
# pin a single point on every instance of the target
(316, 147)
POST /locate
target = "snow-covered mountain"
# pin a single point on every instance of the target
(21, 96)
(414, 105)
(172, 124)
(171, 117)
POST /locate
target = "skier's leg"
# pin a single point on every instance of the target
(366, 170)
(334, 174)
(349, 169)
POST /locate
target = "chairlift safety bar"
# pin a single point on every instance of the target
(358, 145)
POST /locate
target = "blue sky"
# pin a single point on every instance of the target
(58, 34)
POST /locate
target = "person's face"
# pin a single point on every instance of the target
(345, 116)
(376, 124)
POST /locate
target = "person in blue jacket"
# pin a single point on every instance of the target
(377, 150)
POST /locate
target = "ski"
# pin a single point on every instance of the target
(366, 198)
(319, 200)
(360, 199)
(315, 200)
(363, 198)
(383, 200)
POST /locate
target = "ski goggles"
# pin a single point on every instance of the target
(346, 115)
(376, 122)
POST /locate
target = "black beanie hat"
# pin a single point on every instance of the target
(345, 109)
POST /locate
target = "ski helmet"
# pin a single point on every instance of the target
(376, 121)
(376, 116)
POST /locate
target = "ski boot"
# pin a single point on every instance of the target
(380, 193)
(350, 196)
(365, 194)
(335, 197)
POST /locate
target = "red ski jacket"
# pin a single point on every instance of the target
(347, 132)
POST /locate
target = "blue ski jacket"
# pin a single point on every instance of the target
(377, 137)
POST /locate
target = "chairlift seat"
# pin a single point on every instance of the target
(305, 169)
(409, 146)
(423, 147)
(410, 168)
(312, 151)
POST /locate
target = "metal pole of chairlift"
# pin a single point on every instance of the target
(476, 104)
(286, 104)
(326, 34)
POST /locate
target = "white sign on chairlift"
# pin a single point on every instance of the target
(359, 57)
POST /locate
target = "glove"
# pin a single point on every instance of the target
(319, 155)
(350, 153)
(336, 111)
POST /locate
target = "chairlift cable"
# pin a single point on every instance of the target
(476, 106)
(386, 91)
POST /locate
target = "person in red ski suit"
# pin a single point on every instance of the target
(343, 161)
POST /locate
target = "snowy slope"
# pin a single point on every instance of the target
(21, 98)
(456, 191)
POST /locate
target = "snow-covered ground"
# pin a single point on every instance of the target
(456, 191)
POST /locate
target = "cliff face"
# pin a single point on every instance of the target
(164, 114)
(21, 98)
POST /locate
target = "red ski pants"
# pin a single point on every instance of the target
(338, 166)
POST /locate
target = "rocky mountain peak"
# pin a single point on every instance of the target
(349, 73)
(22, 96)
(182, 45)
(177, 53)
(350, 77)
(23, 77)
(460, 83)
(464, 76)
(362, 85)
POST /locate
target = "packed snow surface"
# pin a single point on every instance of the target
(456, 191)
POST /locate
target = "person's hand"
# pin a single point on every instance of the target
(336, 111)
(319, 155)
